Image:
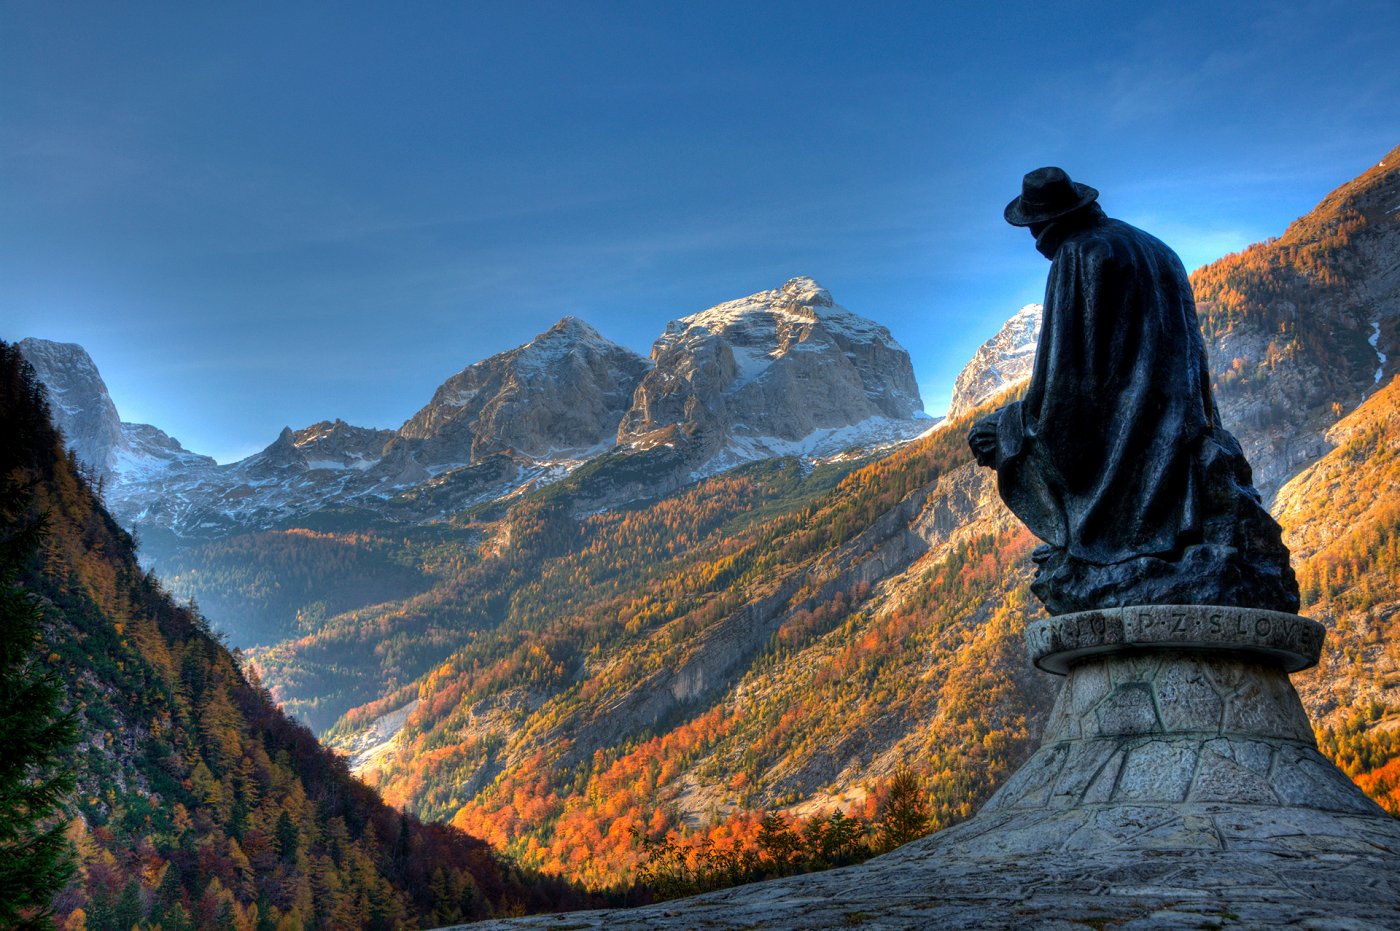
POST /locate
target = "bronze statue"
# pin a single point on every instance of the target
(1116, 457)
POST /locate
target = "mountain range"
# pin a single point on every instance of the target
(689, 603)
(785, 371)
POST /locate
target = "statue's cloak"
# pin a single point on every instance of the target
(1116, 456)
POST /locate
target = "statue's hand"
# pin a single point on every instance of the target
(983, 440)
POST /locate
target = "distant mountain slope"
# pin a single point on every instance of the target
(501, 592)
(199, 803)
(780, 644)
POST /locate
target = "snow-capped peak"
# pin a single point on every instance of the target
(569, 335)
(774, 370)
(1000, 362)
(792, 310)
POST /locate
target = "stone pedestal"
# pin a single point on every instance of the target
(1177, 705)
(1173, 725)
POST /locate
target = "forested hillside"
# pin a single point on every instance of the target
(199, 803)
(1343, 522)
(1297, 326)
(285, 584)
(750, 643)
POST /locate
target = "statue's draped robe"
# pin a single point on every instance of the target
(1116, 457)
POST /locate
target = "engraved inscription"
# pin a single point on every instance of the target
(1294, 641)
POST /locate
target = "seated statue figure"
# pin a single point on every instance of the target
(1115, 456)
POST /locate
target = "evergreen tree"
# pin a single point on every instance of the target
(36, 860)
(287, 835)
(903, 815)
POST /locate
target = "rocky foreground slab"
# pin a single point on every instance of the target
(1178, 786)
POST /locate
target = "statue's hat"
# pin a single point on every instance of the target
(1047, 193)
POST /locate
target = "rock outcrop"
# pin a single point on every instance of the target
(561, 395)
(781, 372)
(784, 372)
(78, 397)
(1000, 362)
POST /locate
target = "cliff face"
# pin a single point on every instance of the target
(785, 371)
(78, 397)
(561, 395)
(1301, 328)
(999, 363)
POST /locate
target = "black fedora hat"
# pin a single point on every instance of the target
(1047, 193)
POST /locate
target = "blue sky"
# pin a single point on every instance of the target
(257, 215)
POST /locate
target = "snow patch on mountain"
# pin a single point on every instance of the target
(1375, 340)
(828, 444)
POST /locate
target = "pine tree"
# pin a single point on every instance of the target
(903, 815)
(36, 859)
(287, 835)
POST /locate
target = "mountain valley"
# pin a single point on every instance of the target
(746, 575)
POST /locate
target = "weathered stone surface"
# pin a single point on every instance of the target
(1174, 789)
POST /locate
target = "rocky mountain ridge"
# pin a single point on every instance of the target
(1001, 362)
(823, 381)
